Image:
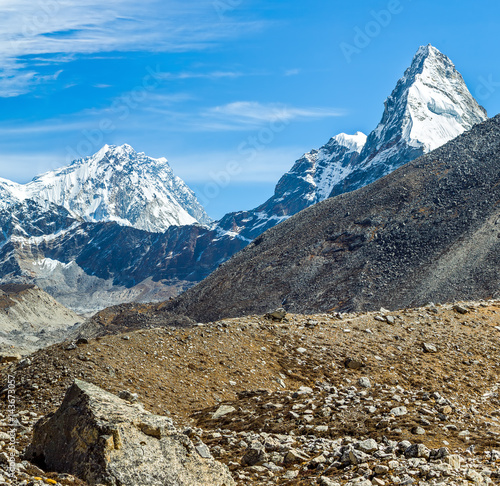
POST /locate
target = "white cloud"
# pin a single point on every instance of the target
(252, 113)
(54, 31)
(195, 75)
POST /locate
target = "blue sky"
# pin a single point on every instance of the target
(231, 92)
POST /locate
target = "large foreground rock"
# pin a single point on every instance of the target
(105, 440)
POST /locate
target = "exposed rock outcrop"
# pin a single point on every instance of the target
(104, 440)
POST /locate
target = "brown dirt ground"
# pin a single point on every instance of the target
(187, 372)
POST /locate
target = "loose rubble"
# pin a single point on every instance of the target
(277, 415)
(106, 440)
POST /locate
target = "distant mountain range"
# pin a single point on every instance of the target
(120, 226)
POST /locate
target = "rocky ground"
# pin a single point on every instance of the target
(381, 398)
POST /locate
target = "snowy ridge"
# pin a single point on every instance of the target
(116, 184)
(430, 106)
(334, 165)
(321, 169)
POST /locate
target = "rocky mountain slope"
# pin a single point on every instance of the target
(359, 399)
(116, 184)
(31, 319)
(430, 231)
(109, 263)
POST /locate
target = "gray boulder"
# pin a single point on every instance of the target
(102, 439)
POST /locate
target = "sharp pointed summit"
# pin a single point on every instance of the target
(430, 106)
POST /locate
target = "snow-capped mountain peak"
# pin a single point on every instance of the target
(430, 106)
(117, 184)
(353, 143)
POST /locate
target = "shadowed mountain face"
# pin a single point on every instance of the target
(430, 231)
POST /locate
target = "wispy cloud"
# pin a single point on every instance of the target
(199, 75)
(54, 31)
(252, 113)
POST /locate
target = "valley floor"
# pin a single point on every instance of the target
(381, 398)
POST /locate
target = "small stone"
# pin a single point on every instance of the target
(474, 476)
(437, 454)
(429, 348)
(321, 459)
(454, 460)
(460, 309)
(127, 395)
(324, 481)
(361, 481)
(301, 350)
(291, 474)
(418, 431)
(293, 456)
(276, 315)
(272, 467)
(364, 382)
(353, 364)
(222, 410)
(381, 469)
(403, 445)
(417, 450)
(367, 446)
(358, 457)
(399, 411)
(255, 455)
(203, 451)
(390, 319)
